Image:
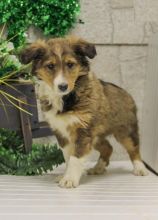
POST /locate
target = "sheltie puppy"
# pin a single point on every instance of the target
(81, 109)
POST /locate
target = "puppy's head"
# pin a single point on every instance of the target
(59, 62)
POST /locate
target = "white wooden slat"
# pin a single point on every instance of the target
(81, 217)
(116, 195)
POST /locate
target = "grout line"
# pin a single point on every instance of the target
(119, 44)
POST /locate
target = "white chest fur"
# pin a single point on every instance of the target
(59, 122)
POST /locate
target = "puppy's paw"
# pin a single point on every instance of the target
(99, 168)
(96, 171)
(139, 168)
(58, 178)
(46, 105)
(68, 182)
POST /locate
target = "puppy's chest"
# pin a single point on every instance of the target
(61, 122)
(59, 117)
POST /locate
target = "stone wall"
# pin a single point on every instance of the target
(121, 30)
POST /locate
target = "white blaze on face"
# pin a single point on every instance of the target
(59, 80)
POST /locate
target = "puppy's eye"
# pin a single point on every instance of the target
(51, 66)
(70, 65)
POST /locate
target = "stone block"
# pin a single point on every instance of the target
(106, 64)
(97, 25)
(118, 21)
(133, 69)
(120, 4)
(146, 15)
(130, 53)
(126, 30)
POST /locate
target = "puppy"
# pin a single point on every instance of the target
(81, 109)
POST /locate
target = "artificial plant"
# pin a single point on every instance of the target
(12, 158)
(41, 159)
(10, 69)
(53, 17)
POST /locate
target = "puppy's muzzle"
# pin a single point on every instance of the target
(63, 87)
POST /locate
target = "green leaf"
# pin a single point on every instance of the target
(54, 17)
(41, 159)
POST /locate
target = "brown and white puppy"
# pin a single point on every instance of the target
(81, 109)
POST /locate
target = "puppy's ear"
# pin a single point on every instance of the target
(84, 48)
(33, 52)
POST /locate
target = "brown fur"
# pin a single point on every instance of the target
(61, 140)
(104, 148)
(102, 108)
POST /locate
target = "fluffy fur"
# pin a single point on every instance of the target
(87, 111)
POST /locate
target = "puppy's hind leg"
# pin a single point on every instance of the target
(131, 143)
(105, 150)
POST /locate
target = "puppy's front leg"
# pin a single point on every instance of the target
(46, 105)
(74, 171)
(75, 164)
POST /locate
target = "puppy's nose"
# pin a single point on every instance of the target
(63, 87)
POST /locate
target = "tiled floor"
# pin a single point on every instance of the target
(116, 195)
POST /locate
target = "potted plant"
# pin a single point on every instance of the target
(17, 102)
(19, 121)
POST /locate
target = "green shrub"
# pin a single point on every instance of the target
(54, 17)
(41, 159)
